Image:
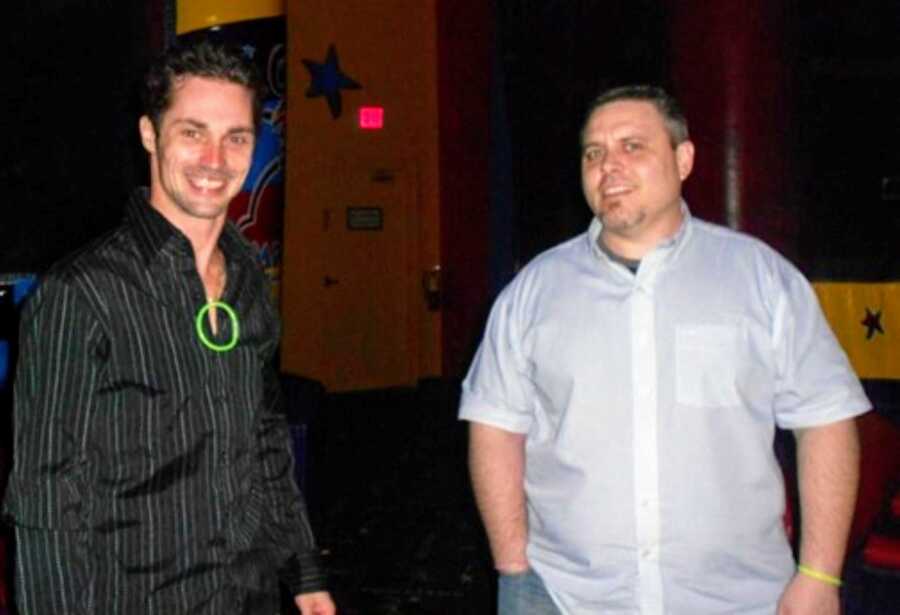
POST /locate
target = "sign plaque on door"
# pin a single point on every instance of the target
(365, 218)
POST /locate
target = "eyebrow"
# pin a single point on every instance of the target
(203, 125)
(238, 129)
(192, 122)
(628, 136)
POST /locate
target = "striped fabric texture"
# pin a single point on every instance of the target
(153, 474)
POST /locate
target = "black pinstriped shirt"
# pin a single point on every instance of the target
(152, 474)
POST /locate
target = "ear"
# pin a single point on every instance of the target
(684, 157)
(148, 134)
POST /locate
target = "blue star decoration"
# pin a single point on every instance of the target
(327, 80)
(872, 322)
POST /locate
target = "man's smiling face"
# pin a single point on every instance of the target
(202, 151)
(631, 172)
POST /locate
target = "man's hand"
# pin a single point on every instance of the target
(807, 596)
(315, 603)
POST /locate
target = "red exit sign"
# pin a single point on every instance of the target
(371, 118)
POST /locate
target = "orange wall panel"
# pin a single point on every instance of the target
(389, 48)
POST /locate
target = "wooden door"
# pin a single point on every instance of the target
(352, 300)
(362, 206)
(366, 281)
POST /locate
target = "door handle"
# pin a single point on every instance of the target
(431, 284)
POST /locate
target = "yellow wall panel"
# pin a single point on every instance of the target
(874, 353)
(199, 14)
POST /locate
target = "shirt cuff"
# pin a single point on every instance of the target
(475, 408)
(303, 573)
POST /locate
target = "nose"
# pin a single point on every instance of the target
(213, 155)
(611, 161)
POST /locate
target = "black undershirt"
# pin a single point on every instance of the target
(629, 263)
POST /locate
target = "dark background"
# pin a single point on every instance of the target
(845, 135)
(68, 116)
(842, 82)
(69, 107)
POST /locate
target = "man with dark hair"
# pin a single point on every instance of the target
(666, 105)
(152, 461)
(201, 60)
(624, 400)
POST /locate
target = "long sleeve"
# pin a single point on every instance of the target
(55, 381)
(301, 571)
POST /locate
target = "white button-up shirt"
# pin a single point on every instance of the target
(650, 403)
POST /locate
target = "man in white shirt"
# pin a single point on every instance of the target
(624, 400)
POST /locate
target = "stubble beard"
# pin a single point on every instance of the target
(616, 218)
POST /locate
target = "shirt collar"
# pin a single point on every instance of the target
(670, 246)
(155, 234)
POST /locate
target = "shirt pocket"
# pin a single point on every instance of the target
(706, 365)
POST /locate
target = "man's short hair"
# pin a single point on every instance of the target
(665, 103)
(204, 59)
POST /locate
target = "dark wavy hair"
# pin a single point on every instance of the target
(665, 103)
(202, 59)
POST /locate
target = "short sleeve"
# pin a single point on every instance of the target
(815, 383)
(497, 389)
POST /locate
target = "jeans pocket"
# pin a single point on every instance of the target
(524, 593)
